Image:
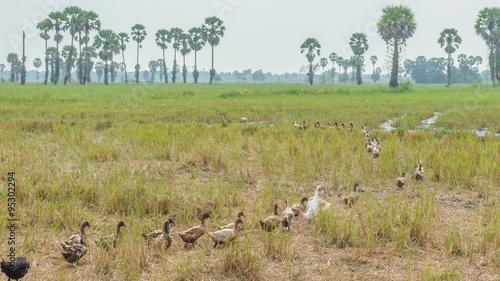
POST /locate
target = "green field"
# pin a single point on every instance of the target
(143, 153)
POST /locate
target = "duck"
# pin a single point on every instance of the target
(343, 126)
(353, 197)
(226, 235)
(352, 126)
(401, 181)
(318, 125)
(376, 151)
(298, 208)
(194, 233)
(16, 269)
(314, 204)
(419, 173)
(368, 146)
(336, 125)
(287, 216)
(243, 120)
(296, 125)
(153, 235)
(111, 240)
(231, 225)
(272, 221)
(75, 247)
(304, 125)
(164, 241)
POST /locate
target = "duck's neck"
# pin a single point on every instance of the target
(82, 230)
(118, 231)
(276, 212)
(166, 229)
(203, 222)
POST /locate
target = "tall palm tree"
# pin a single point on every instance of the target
(138, 35)
(450, 40)
(175, 35)
(91, 22)
(70, 55)
(395, 27)
(153, 68)
(45, 26)
(333, 59)
(90, 53)
(123, 37)
(340, 63)
(114, 50)
(184, 42)
(162, 38)
(99, 70)
(463, 65)
(37, 62)
(359, 45)
(58, 19)
(106, 40)
(52, 55)
(72, 23)
(13, 59)
(374, 60)
(312, 48)
(488, 27)
(213, 30)
(323, 62)
(196, 42)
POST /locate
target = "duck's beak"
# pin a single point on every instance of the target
(90, 225)
(243, 215)
(173, 223)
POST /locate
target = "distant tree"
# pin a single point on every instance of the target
(89, 53)
(239, 76)
(395, 27)
(340, 63)
(258, 76)
(196, 42)
(145, 75)
(106, 40)
(12, 58)
(488, 27)
(359, 45)
(45, 26)
(114, 50)
(162, 38)
(374, 60)
(18, 69)
(58, 20)
(463, 63)
(353, 63)
(217, 79)
(91, 23)
(323, 62)
(2, 68)
(450, 40)
(153, 68)
(213, 30)
(345, 65)
(72, 23)
(121, 65)
(333, 58)
(52, 55)
(376, 75)
(138, 35)
(99, 69)
(184, 42)
(37, 62)
(312, 48)
(161, 69)
(175, 37)
(66, 52)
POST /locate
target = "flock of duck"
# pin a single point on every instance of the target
(75, 247)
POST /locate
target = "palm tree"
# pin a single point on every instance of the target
(162, 38)
(450, 40)
(312, 48)
(2, 68)
(138, 35)
(175, 35)
(184, 42)
(463, 65)
(340, 63)
(58, 19)
(90, 53)
(123, 37)
(161, 69)
(196, 43)
(69, 54)
(395, 27)
(12, 58)
(45, 26)
(99, 70)
(488, 27)
(52, 55)
(91, 23)
(73, 23)
(37, 62)
(107, 41)
(213, 30)
(374, 60)
(359, 45)
(122, 69)
(323, 62)
(333, 58)
(153, 67)
(114, 49)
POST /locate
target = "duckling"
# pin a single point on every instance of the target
(314, 204)
(149, 237)
(75, 247)
(17, 269)
(164, 241)
(419, 173)
(111, 240)
(353, 197)
(191, 235)
(298, 208)
(287, 216)
(271, 222)
(401, 181)
(231, 225)
(224, 236)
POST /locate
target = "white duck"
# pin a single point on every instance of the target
(315, 204)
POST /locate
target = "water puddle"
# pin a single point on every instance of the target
(427, 123)
(387, 125)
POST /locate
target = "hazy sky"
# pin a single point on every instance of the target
(260, 34)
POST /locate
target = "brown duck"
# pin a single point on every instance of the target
(153, 235)
(75, 247)
(164, 241)
(419, 173)
(111, 240)
(224, 236)
(231, 225)
(299, 208)
(353, 197)
(401, 181)
(271, 222)
(191, 235)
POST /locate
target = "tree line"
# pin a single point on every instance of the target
(395, 27)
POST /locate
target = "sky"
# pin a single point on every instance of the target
(260, 34)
